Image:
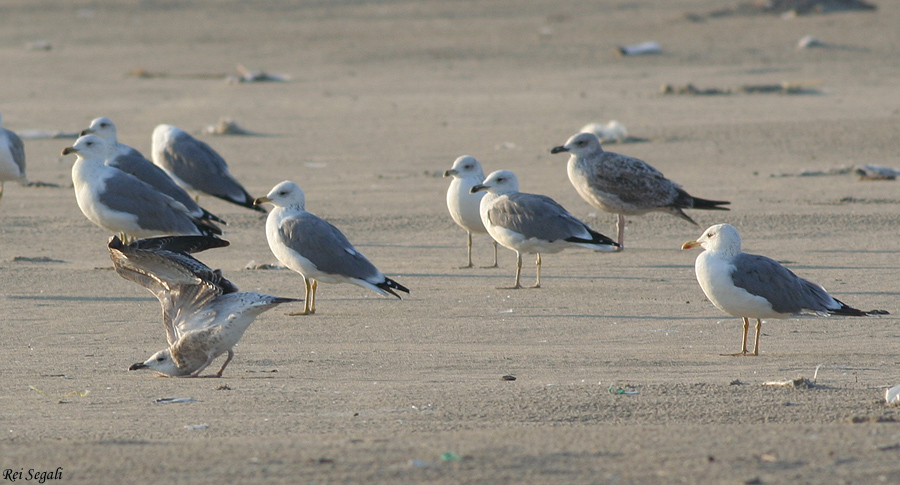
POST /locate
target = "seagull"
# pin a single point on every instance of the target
(463, 204)
(316, 249)
(196, 167)
(751, 286)
(624, 185)
(205, 315)
(122, 203)
(129, 160)
(12, 158)
(106, 129)
(530, 223)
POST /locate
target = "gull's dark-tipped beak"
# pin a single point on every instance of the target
(261, 200)
(559, 149)
(478, 188)
(68, 150)
(450, 173)
(139, 365)
(86, 132)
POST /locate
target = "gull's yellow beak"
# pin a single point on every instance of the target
(690, 244)
(68, 150)
(261, 200)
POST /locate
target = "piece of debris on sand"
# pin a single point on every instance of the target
(798, 383)
(227, 126)
(612, 132)
(804, 87)
(875, 172)
(863, 172)
(791, 7)
(253, 265)
(46, 134)
(259, 76)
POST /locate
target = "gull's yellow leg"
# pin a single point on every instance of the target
(518, 274)
(743, 351)
(306, 300)
(756, 345)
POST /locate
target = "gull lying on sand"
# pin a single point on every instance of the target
(122, 203)
(624, 185)
(129, 160)
(196, 167)
(464, 205)
(316, 249)
(751, 286)
(529, 223)
(205, 315)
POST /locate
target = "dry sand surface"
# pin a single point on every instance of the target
(382, 97)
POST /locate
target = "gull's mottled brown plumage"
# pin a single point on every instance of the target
(204, 314)
(625, 185)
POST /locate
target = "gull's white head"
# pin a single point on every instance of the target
(466, 167)
(161, 362)
(499, 182)
(87, 147)
(580, 145)
(285, 194)
(721, 238)
(162, 133)
(104, 128)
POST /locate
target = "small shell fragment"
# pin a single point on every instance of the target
(892, 396)
(639, 49)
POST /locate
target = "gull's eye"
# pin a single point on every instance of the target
(710, 234)
(160, 359)
(104, 125)
(283, 192)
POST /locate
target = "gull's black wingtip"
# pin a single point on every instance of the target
(179, 244)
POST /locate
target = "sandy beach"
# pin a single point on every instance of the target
(616, 359)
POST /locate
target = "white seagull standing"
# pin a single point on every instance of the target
(625, 186)
(530, 223)
(122, 203)
(751, 286)
(316, 249)
(205, 315)
(196, 167)
(12, 158)
(465, 206)
(129, 160)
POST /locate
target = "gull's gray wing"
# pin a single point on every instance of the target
(536, 216)
(787, 292)
(184, 286)
(198, 165)
(154, 211)
(17, 148)
(632, 180)
(326, 247)
(137, 165)
(125, 150)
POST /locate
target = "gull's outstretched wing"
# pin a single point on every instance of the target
(182, 284)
